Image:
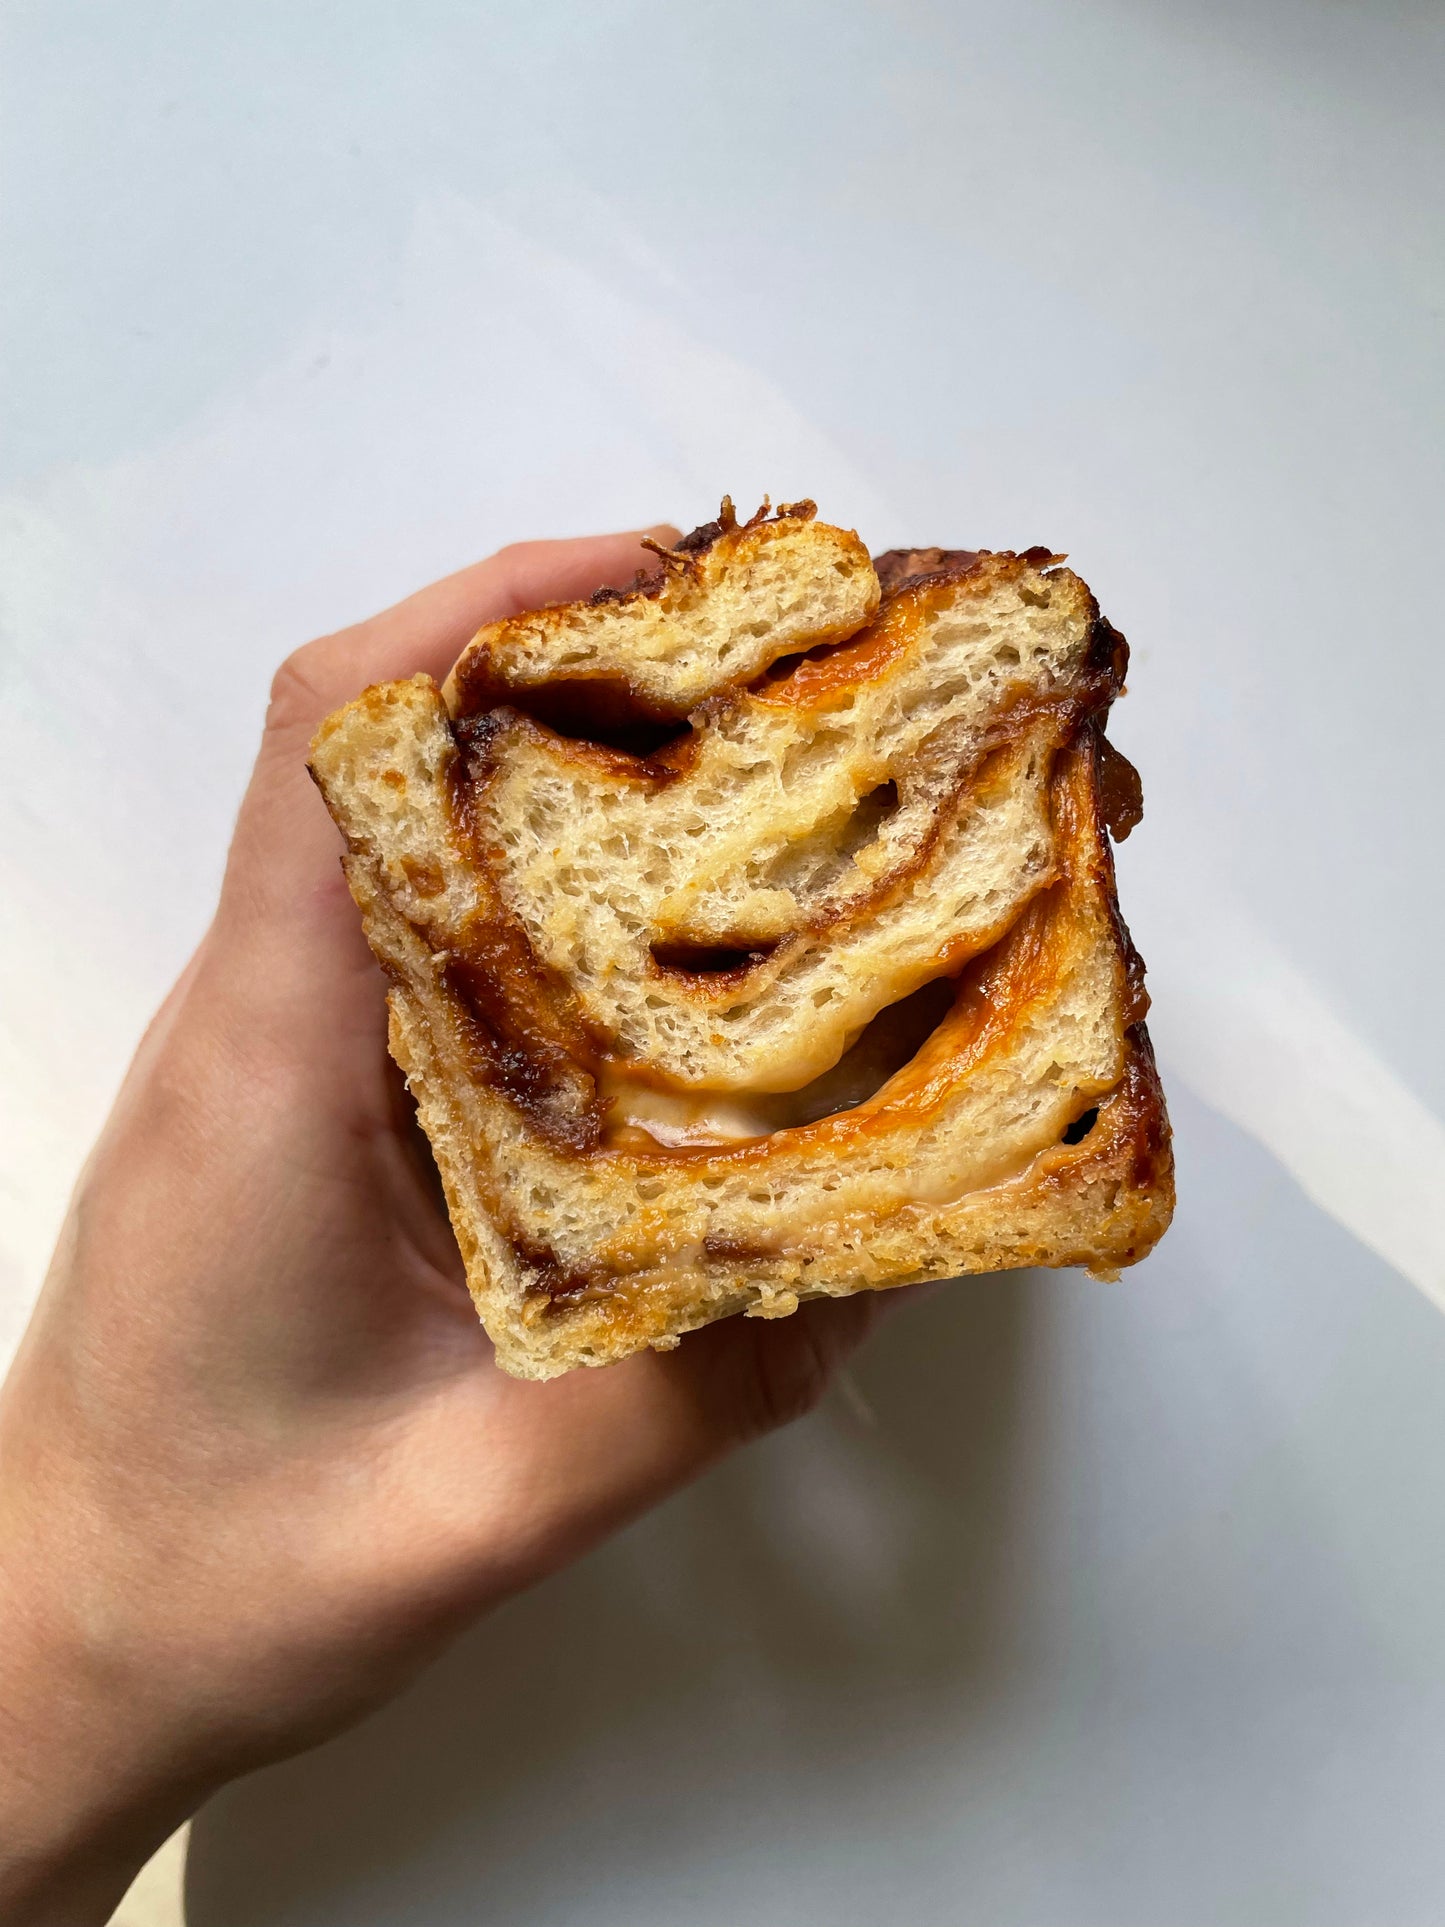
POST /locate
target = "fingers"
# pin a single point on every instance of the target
(587, 1452)
(747, 1376)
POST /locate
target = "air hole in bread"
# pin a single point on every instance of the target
(601, 710)
(893, 1039)
(709, 959)
(869, 816)
(785, 666)
(1081, 1127)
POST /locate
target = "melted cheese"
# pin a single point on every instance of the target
(681, 1120)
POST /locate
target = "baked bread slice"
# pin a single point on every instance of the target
(753, 936)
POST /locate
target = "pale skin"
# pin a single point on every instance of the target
(257, 1467)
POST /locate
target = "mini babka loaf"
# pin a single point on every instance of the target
(753, 936)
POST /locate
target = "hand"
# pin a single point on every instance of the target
(256, 1465)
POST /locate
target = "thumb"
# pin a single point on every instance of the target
(283, 886)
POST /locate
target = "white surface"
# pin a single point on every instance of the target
(1126, 1606)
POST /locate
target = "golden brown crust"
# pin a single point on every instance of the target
(897, 568)
(586, 1238)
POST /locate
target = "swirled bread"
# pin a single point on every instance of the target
(753, 936)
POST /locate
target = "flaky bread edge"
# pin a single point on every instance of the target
(688, 576)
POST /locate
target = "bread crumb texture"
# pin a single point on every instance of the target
(753, 936)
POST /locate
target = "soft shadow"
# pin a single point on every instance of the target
(874, 1557)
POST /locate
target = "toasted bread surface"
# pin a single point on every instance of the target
(753, 936)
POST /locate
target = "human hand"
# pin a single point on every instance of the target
(256, 1467)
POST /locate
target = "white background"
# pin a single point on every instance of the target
(1118, 1605)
